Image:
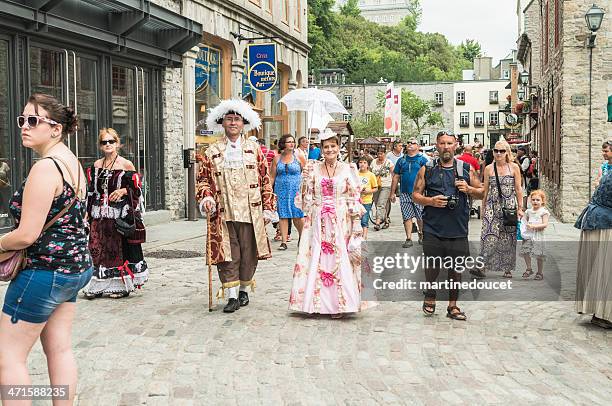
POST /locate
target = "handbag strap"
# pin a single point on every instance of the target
(74, 199)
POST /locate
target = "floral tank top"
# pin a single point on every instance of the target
(63, 246)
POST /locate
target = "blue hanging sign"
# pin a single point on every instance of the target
(262, 66)
(202, 69)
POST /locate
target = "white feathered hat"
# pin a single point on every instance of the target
(234, 106)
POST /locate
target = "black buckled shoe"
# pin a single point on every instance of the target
(231, 306)
(243, 298)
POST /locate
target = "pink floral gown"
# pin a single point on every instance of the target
(327, 275)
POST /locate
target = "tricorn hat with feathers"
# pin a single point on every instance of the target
(233, 106)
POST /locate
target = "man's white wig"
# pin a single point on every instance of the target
(233, 106)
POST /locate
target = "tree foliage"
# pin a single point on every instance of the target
(366, 50)
(470, 49)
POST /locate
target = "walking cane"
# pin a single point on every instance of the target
(209, 262)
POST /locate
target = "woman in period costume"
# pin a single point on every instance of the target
(594, 274)
(327, 275)
(114, 196)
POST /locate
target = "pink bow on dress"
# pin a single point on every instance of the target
(327, 279)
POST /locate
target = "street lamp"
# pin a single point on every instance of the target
(593, 18)
(525, 77)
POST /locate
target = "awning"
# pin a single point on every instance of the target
(139, 28)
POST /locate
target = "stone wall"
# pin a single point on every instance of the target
(567, 75)
(174, 173)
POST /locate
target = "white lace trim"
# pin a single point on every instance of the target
(116, 285)
(108, 212)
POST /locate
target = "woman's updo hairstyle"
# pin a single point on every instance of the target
(110, 131)
(56, 111)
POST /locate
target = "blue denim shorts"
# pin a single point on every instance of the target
(366, 217)
(34, 294)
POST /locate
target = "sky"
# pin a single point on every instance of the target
(493, 23)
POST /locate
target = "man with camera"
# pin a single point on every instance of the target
(443, 186)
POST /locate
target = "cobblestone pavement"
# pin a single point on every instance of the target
(161, 346)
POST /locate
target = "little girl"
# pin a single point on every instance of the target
(535, 221)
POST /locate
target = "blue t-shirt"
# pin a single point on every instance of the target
(408, 167)
(605, 168)
(314, 153)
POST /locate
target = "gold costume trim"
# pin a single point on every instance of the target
(250, 283)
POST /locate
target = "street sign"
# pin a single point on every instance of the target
(262, 66)
(206, 132)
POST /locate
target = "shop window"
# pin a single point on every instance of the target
(246, 84)
(209, 79)
(119, 81)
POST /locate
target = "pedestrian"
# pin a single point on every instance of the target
(382, 168)
(606, 167)
(442, 187)
(369, 185)
(286, 177)
(533, 182)
(533, 242)
(235, 190)
(327, 273)
(49, 211)
(114, 201)
(314, 152)
(468, 157)
(302, 147)
(405, 172)
(268, 153)
(497, 241)
(594, 274)
(396, 152)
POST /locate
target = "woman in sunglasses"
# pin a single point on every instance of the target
(49, 218)
(286, 176)
(498, 242)
(113, 208)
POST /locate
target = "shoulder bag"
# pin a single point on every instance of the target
(123, 227)
(510, 215)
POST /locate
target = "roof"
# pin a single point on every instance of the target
(340, 127)
(369, 141)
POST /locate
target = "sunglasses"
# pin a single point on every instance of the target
(499, 151)
(106, 142)
(33, 121)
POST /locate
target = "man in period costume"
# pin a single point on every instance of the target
(234, 188)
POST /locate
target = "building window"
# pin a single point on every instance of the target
(48, 68)
(546, 40)
(119, 79)
(506, 74)
(348, 101)
(298, 16)
(347, 117)
(493, 97)
(439, 98)
(285, 11)
(479, 119)
(460, 97)
(268, 6)
(494, 118)
(368, 117)
(464, 119)
(478, 137)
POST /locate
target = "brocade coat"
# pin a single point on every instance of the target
(256, 196)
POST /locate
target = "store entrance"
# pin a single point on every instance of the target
(7, 157)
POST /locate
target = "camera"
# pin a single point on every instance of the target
(452, 202)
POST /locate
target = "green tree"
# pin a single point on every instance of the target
(350, 8)
(470, 49)
(419, 111)
(372, 126)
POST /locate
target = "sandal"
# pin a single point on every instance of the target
(508, 275)
(337, 315)
(539, 276)
(91, 296)
(119, 295)
(459, 315)
(527, 273)
(282, 247)
(427, 306)
(376, 227)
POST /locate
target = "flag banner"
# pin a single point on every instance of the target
(388, 121)
(396, 111)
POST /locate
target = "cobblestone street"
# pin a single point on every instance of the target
(161, 346)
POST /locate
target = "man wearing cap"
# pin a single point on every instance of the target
(234, 188)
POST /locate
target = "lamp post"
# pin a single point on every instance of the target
(593, 19)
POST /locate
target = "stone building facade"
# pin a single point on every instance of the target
(569, 157)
